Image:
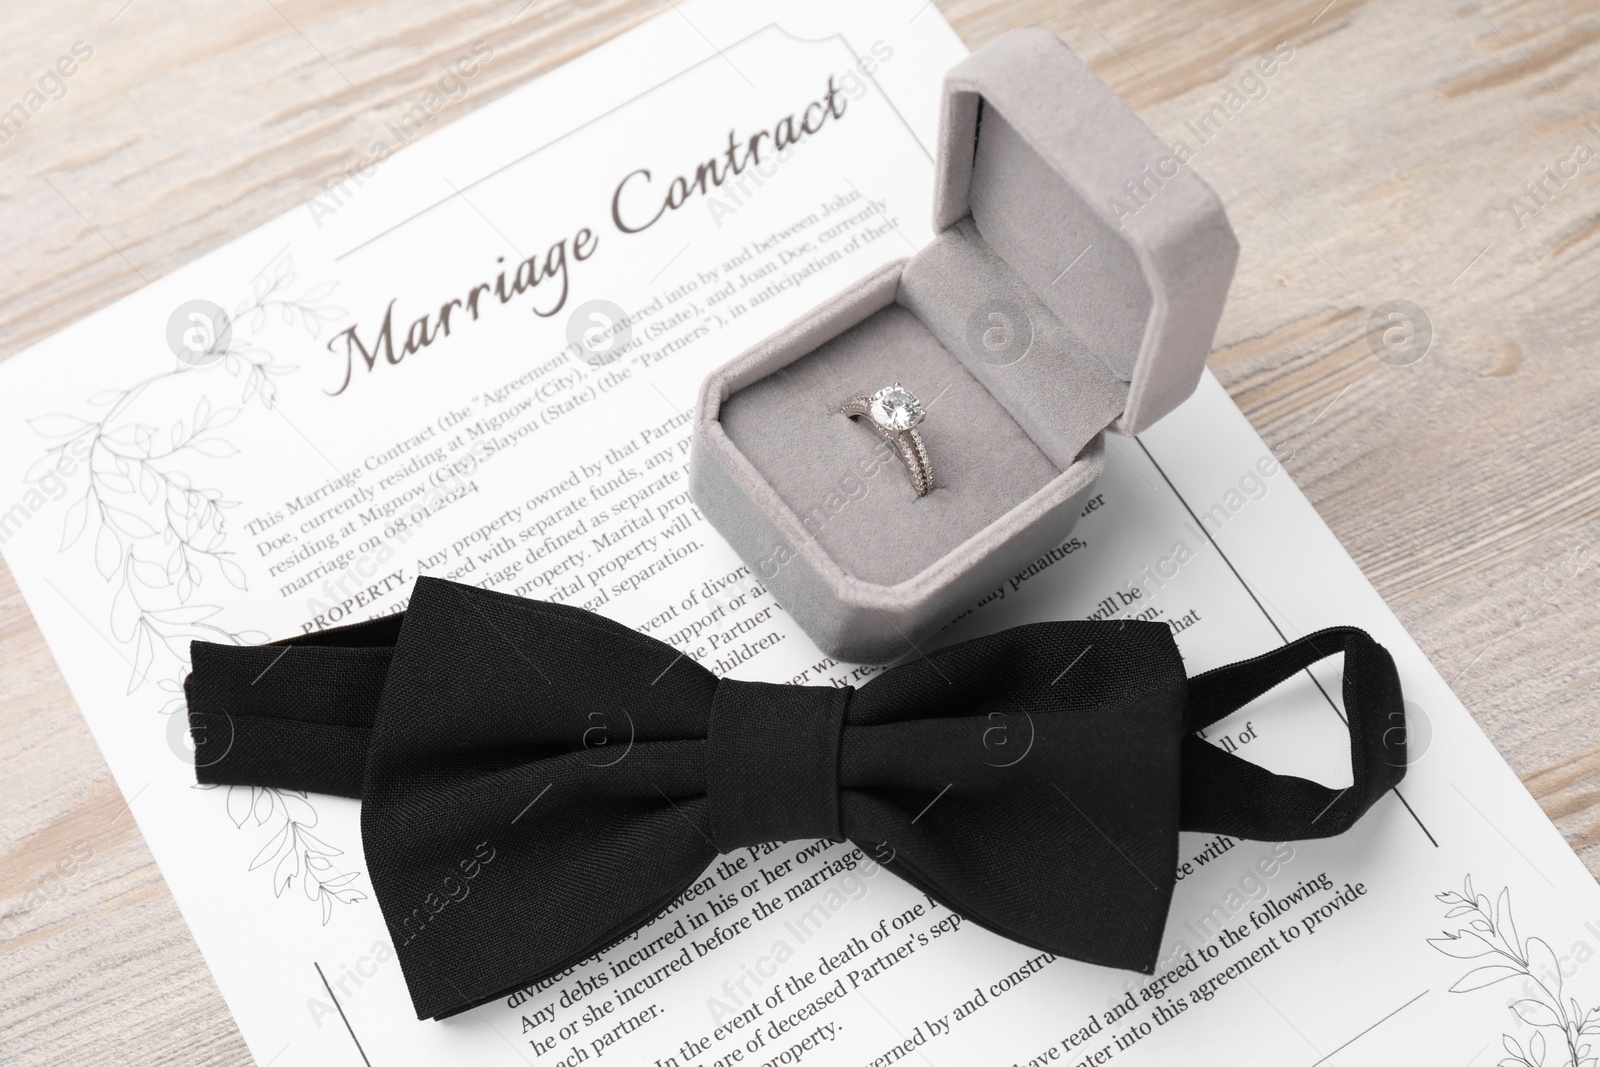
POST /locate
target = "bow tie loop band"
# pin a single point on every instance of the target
(1034, 781)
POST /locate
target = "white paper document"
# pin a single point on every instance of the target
(475, 359)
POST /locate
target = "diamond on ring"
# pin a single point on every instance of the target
(894, 407)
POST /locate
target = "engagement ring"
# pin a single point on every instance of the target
(895, 412)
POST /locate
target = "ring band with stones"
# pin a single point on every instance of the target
(895, 412)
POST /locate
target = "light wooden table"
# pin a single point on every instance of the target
(1379, 163)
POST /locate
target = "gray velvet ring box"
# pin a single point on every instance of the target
(1074, 287)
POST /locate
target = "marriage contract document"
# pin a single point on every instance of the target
(475, 359)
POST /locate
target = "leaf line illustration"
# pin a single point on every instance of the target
(158, 536)
(1487, 935)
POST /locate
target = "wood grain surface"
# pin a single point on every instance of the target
(1381, 162)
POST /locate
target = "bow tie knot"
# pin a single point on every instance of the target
(772, 763)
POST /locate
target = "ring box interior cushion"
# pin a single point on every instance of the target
(1055, 303)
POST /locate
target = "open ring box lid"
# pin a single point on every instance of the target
(1074, 286)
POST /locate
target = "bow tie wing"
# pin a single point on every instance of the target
(1030, 782)
(535, 790)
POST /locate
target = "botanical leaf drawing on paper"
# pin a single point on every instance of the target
(1487, 937)
(293, 850)
(158, 535)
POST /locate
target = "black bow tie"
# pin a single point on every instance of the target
(538, 782)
